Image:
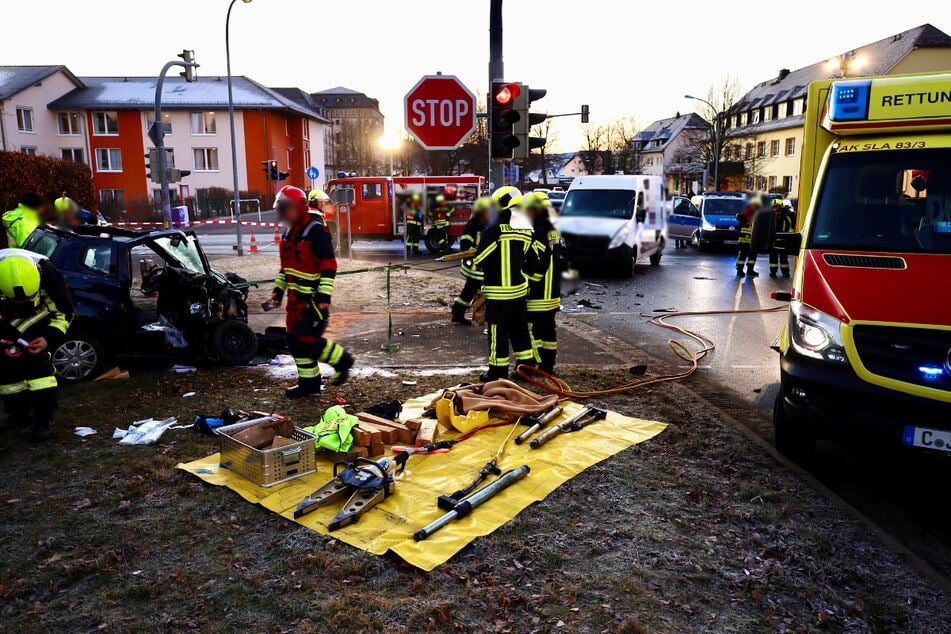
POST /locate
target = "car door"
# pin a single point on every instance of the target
(684, 219)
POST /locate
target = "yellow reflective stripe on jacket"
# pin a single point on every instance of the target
(302, 289)
(42, 383)
(281, 281)
(301, 274)
(27, 322)
(488, 251)
(13, 388)
(326, 286)
(506, 292)
(543, 305)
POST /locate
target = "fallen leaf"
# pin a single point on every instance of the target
(85, 503)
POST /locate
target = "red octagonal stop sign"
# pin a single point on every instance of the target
(440, 112)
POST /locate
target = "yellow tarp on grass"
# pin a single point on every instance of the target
(391, 524)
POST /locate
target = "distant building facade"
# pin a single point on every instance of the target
(764, 130)
(674, 148)
(353, 144)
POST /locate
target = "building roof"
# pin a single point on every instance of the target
(665, 130)
(878, 59)
(16, 79)
(301, 98)
(122, 93)
(341, 97)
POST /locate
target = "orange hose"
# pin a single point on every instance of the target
(549, 383)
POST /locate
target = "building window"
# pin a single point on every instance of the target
(70, 123)
(774, 147)
(760, 183)
(750, 183)
(105, 123)
(790, 146)
(749, 151)
(25, 119)
(798, 106)
(206, 159)
(166, 122)
(305, 129)
(203, 123)
(112, 201)
(772, 182)
(767, 114)
(754, 117)
(28, 149)
(307, 162)
(787, 184)
(761, 149)
(108, 159)
(73, 154)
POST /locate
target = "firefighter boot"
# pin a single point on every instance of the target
(305, 387)
(44, 404)
(459, 314)
(750, 272)
(494, 373)
(17, 407)
(547, 364)
(515, 376)
(739, 271)
(342, 369)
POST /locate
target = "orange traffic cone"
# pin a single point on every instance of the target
(254, 243)
(277, 234)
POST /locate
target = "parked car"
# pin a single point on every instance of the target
(557, 199)
(182, 309)
(614, 221)
(718, 223)
(683, 224)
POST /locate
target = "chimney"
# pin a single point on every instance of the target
(783, 74)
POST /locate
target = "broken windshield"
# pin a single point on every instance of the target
(182, 251)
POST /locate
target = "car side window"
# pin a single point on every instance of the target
(100, 258)
(371, 191)
(45, 245)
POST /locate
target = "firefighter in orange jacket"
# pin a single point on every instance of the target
(308, 269)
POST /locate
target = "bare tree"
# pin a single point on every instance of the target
(540, 160)
(607, 147)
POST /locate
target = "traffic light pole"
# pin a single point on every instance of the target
(239, 247)
(496, 73)
(157, 135)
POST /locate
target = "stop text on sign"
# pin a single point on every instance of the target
(444, 112)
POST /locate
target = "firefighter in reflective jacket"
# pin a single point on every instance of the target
(467, 241)
(544, 283)
(19, 223)
(441, 215)
(783, 222)
(308, 269)
(35, 311)
(502, 257)
(414, 223)
(745, 255)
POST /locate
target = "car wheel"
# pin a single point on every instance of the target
(628, 270)
(795, 441)
(655, 257)
(233, 342)
(79, 358)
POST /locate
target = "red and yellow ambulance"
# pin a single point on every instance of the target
(867, 348)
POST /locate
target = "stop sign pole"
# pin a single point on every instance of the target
(440, 112)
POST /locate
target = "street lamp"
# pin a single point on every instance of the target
(717, 139)
(392, 144)
(234, 138)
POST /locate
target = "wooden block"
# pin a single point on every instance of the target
(428, 431)
(361, 452)
(258, 437)
(412, 424)
(364, 437)
(281, 441)
(387, 435)
(347, 456)
(376, 450)
(403, 433)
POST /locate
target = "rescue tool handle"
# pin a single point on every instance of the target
(538, 423)
(564, 425)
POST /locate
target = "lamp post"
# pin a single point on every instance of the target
(717, 139)
(392, 144)
(234, 138)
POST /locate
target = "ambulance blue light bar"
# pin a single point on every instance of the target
(849, 100)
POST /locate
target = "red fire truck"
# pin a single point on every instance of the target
(374, 207)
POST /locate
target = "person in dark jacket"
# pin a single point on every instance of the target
(745, 256)
(503, 255)
(469, 240)
(783, 222)
(544, 283)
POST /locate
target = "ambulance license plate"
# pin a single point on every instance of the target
(731, 242)
(927, 438)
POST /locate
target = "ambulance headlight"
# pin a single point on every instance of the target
(815, 334)
(620, 237)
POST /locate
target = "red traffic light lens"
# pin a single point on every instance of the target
(506, 94)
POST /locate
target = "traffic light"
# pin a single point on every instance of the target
(504, 116)
(270, 168)
(152, 166)
(585, 113)
(527, 119)
(283, 176)
(175, 175)
(188, 57)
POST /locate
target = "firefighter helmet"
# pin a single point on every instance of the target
(440, 198)
(317, 196)
(417, 198)
(19, 278)
(290, 195)
(536, 200)
(481, 205)
(506, 198)
(65, 204)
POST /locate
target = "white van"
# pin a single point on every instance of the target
(616, 221)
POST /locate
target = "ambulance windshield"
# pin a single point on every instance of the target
(893, 200)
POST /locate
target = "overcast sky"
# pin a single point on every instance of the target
(622, 57)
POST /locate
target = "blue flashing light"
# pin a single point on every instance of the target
(930, 372)
(849, 100)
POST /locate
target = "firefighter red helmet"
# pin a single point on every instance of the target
(290, 195)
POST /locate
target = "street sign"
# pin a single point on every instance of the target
(313, 173)
(440, 112)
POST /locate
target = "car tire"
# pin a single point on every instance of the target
(628, 269)
(233, 343)
(795, 441)
(79, 358)
(656, 256)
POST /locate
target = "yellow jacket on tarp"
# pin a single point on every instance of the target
(19, 224)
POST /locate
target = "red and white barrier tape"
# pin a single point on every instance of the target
(246, 223)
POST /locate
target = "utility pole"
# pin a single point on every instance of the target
(496, 73)
(157, 131)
